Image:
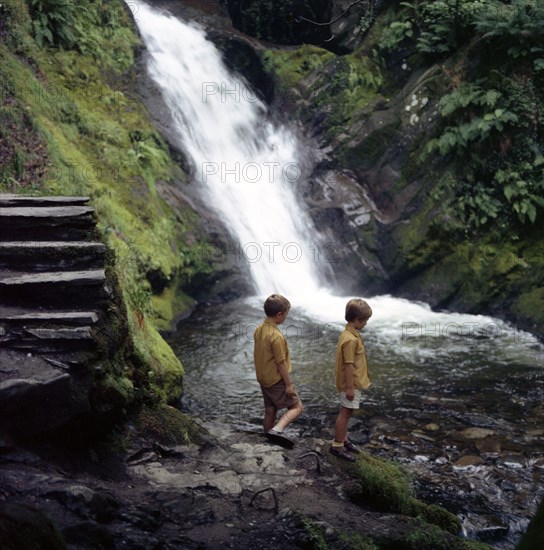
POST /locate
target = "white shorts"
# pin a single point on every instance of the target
(345, 402)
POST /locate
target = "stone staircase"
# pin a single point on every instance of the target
(53, 295)
(51, 274)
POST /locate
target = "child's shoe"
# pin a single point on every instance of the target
(279, 438)
(349, 446)
(341, 452)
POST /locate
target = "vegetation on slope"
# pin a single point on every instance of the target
(71, 123)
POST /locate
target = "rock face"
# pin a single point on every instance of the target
(53, 294)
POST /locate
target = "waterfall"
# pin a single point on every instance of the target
(248, 167)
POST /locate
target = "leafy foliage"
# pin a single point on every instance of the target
(53, 22)
(492, 124)
(500, 163)
(515, 29)
(444, 25)
(485, 119)
(95, 28)
(435, 27)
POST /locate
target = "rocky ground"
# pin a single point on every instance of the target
(235, 490)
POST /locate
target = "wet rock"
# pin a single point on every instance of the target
(89, 535)
(476, 433)
(24, 526)
(431, 427)
(493, 533)
(86, 502)
(489, 446)
(514, 461)
(146, 518)
(468, 460)
(423, 436)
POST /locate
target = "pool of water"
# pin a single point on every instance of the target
(459, 402)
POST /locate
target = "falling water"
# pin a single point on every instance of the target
(248, 167)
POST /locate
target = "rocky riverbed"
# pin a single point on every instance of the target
(233, 490)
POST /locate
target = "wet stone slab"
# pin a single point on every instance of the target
(231, 468)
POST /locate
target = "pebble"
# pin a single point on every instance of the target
(431, 427)
(468, 460)
(476, 433)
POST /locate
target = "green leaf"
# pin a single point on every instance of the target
(532, 213)
(509, 192)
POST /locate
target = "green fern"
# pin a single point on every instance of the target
(53, 22)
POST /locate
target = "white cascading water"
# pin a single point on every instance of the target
(248, 168)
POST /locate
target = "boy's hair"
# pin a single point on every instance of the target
(276, 303)
(357, 309)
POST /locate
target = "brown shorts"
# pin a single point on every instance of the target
(275, 396)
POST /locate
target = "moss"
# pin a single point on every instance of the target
(168, 426)
(473, 545)
(166, 370)
(424, 536)
(316, 534)
(436, 515)
(355, 541)
(369, 151)
(24, 526)
(387, 487)
(529, 305)
(292, 65)
(383, 485)
(168, 307)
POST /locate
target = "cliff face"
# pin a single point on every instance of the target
(429, 135)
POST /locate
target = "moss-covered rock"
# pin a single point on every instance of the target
(533, 539)
(76, 126)
(167, 426)
(24, 526)
(386, 486)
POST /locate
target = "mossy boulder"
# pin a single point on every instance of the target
(167, 426)
(386, 486)
(24, 526)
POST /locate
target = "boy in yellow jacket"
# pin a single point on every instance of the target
(351, 375)
(273, 368)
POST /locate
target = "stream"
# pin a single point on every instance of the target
(462, 411)
(457, 398)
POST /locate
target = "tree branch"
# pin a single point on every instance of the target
(300, 18)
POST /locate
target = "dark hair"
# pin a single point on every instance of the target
(357, 309)
(276, 303)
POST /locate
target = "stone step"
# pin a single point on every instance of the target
(88, 277)
(54, 214)
(45, 340)
(9, 199)
(58, 289)
(43, 255)
(34, 318)
(59, 333)
(46, 223)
